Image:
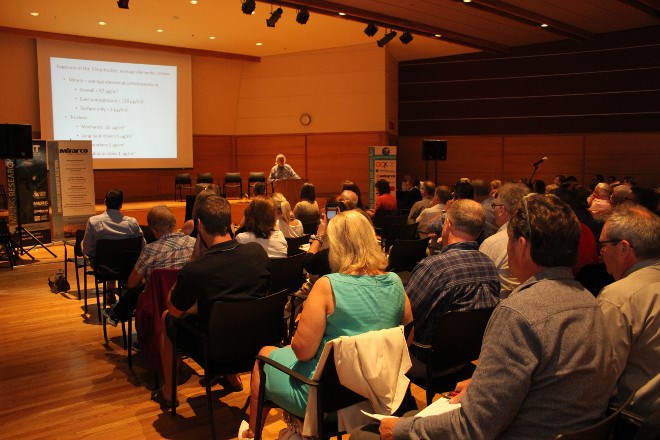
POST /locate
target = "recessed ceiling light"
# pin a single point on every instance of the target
(260, 44)
(467, 1)
(342, 13)
(193, 2)
(544, 25)
(438, 35)
(34, 14)
(159, 30)
(211, 38)
(102, 23)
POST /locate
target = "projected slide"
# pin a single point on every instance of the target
(127, 110)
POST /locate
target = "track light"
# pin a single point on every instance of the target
(303, 16)
(123, 4)
(274, 17)
(248, 7)
(371, 29)
(406, 37)
(387, 38)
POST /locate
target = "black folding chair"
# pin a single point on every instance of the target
(294, 243)
(600, 430)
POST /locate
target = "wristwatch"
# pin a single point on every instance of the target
(318, 238)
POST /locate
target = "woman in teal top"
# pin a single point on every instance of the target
(359, 297)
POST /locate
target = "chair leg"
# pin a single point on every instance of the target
(123, 334)
(105, 329)
(260, 402)
(173, 396)
(77, 278)
(209, 403)
(98, 299)
(130, 341)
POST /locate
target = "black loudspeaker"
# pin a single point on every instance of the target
(15, 141)
(434, 149)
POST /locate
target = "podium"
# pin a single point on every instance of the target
(290, 188)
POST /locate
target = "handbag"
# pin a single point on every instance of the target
(58, 282)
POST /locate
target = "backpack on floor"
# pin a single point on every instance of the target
(58, 282)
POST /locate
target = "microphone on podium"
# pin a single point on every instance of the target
(539, 162)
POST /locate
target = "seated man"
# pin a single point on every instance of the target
(170, 250)
(111, 225)
(546, 366)
(228, 270)
(630, 243)
(428, 191)
(458, 278)
(435, 210)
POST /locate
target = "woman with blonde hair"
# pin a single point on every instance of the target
(358, 297)
(287, 222)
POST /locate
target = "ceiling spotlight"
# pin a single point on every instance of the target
(387, 38)
(123, 4)
(371, 29)
(406, 37)
(248, 6)
(274, 17)
(303, 16)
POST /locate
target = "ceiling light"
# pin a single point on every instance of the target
(387, 38)
(342, 13)
(102, 23)
(438, 35)
(303, 16)
(248, 7)
(371, 29)
(406, 37)
(211, 38)
(544, 25)
(34, 14)
(260, 44)
(159, 30)
(123, 4)
(467, 1)
(274, 17)
(193, 2)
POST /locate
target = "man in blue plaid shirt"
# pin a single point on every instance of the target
(458, 278)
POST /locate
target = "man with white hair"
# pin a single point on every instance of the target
(281, 170)
(630, 246)
(428, 191)
(599, 200)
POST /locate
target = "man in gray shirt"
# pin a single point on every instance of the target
(546, 364)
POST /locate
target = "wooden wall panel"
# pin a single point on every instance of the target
(333, 158)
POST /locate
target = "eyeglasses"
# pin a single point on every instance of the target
(493, 205)
(601, 243)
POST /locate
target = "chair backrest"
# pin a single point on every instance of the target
(257, 176)
(77, 247)
(405, 254)
(233, 177)
(126, 265)
(407, 231)
(332, 395)
(230, 338)
(183, 179)
(600, 430)
(287, 273)
(457, 340)
(205, 178)
(294, 243)
(109, 252)
(386, 218)
(148, 234)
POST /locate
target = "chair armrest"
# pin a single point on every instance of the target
(265, 360)
(420, 345)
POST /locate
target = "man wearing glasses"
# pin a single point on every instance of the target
(630, 246)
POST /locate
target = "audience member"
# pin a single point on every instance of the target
(458, 278)
(495, 185)
(359, 297)
(539, 186)
(631, 250)
(428, 190)
(170, 250)
(259, 189)
(645, 197)
(287, 222)
(111, 225)
(281, 170)
(385, 201)
(599, 201)
(620, 195)
(462, 190)
(411, 192)
(352, 186)
(507, 200)
(190, 227)
(545, 367)
(307, 204)
(482, 195)
(228, 271)
(260, 216)
(559, 180)
(348, 195)
(437, 208)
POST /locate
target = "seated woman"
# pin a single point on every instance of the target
(385, 201)
(307, 205)
(260, 218)
(287, 223)
(359, 297)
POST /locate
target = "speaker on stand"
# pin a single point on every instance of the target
(433, 149)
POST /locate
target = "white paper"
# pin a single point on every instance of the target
(440, 406)
(378, 417)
